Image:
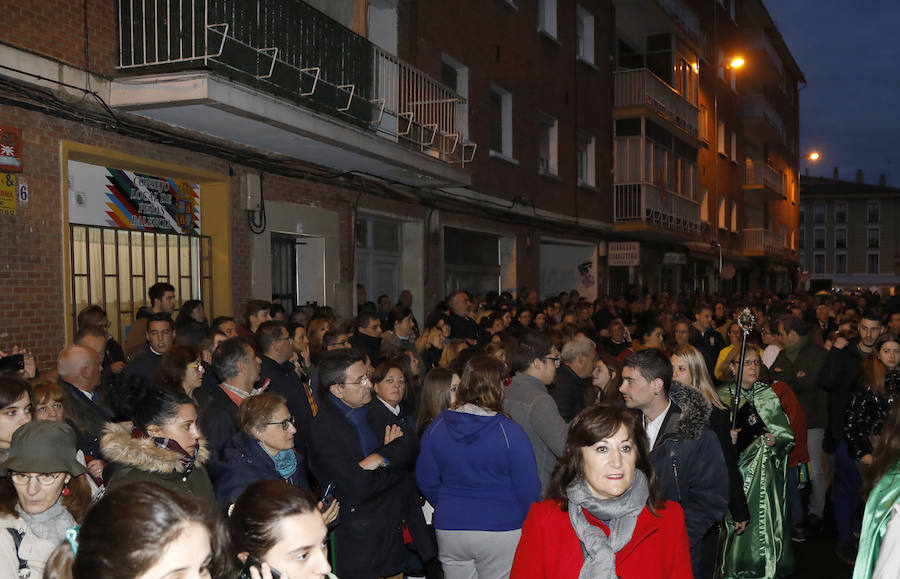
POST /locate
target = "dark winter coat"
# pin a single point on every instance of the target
(243, 462)
(284, 380)
(568, 391)
(867, 413)
(689, 464)
(368, 538)
(802, 375)
(139, 459)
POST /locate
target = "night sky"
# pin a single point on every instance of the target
(850, 108)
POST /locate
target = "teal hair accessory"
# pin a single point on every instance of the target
(72, 538)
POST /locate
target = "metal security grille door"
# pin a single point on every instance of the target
(114, 268)
(284, 271)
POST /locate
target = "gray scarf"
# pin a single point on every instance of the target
(50, 525)
(620, 514)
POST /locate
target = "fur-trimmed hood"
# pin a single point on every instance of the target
(693, 413)
(117, 445)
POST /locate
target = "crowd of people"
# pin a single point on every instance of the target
(643, 436)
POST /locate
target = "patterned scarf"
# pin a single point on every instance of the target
(620, 515)
(187, 460)
(285, 461)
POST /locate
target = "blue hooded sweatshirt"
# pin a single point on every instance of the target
(478, 471)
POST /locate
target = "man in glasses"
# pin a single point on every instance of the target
(370, 471)
(278, 371)
(528, 402)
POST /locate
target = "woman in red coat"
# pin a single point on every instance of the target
(603, 516)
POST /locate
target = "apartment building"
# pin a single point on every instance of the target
(847, 234)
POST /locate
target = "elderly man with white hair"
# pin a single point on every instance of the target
(79, 370)
(577, 361)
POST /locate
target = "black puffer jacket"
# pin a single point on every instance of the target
(867, 413)
(690, 466)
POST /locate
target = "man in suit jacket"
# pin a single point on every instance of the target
(79, 370)
(344, 450)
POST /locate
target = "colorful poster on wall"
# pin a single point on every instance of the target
(11, 149)
(127, 200)
(7, 194)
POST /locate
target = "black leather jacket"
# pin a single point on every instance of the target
(867, 413)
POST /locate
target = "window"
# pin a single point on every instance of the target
(874, 238)
(840, 238)
(455, 75)
(703, 123)
(872, 263)
(547, 17)
(548, 164)
(873, 211)
(584, 34)
(734, 216)
(802, 237)
(586, 160)
(801, 257)
(819, 238)
(721, 138)
(802, 213)
(734, 146)
(501, 122)
(840, 263)
(819, 213)
(840, 213)
(704, 205)
(723, 224)
(819, 263)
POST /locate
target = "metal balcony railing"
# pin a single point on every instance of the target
(759, 173)
(759, 241)
(644, 202)
(643, 88)
(291, 50)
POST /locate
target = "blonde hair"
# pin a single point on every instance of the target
(699, 374)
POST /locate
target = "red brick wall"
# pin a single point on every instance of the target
(55, 28)
(542, 75)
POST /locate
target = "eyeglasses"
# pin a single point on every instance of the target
(44, 478)
(554, 359)
(44, 408)
(285, 424)
(196, 366)
(361, 382)
(749, 363)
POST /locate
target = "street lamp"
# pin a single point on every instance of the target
(736, 62)
(813, 156)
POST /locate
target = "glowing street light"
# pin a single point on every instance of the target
(813, 156)
(736, 62)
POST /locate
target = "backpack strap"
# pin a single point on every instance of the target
(24, 570)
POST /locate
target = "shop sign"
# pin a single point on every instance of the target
(674, 258)
(111, 197)
(10, 149)
(7, 194)
(624, 253)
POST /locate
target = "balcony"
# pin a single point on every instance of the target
(639, 17)
(762, 123)
(642, 88)
(280, 76)
(639, 206)
(763, 182)
(760, 242)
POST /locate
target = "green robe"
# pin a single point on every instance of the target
(878, 513)
(764, 548)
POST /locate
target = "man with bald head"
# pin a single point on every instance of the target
(79, 370)
(461, 325)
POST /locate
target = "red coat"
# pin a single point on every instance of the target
(550, 549)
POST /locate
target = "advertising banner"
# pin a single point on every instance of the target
(122, 199)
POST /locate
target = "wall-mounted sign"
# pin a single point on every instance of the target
(624, 253)
(7, 194)
(674, 258)
(10, 149)
(127, 200)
